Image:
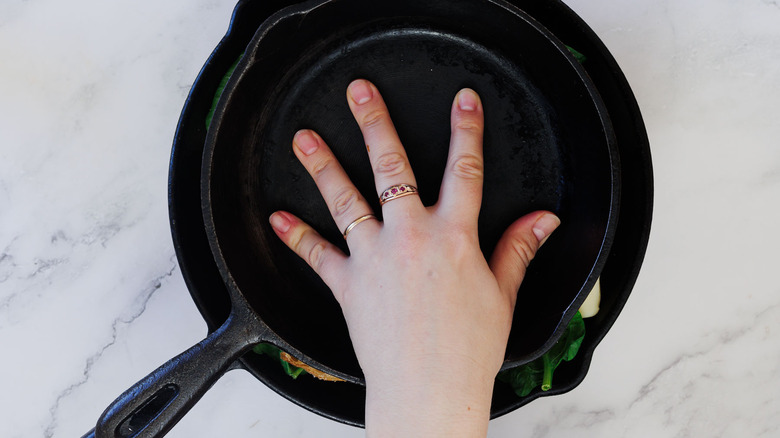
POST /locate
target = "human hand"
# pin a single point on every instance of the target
(428, 316)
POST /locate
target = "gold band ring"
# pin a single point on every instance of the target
(357, 221)
(397, 191)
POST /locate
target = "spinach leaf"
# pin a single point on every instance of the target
(577, 55)
(275, 353)
(220, 89)
(539, 372)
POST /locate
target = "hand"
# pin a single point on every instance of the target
(428, 316)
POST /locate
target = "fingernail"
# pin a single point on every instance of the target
(360, 91)
(305, 141)
(544, 226)
(468, 100)
(280, 222)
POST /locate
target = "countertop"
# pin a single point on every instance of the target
(92, 298)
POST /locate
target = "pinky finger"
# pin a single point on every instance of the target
(323, 257)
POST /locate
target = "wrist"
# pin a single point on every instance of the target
(445, 400)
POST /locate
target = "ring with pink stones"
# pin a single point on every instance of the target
(397, 191)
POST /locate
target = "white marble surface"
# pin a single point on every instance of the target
(91, 298)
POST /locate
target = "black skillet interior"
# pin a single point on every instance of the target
(548, 145)
(345, 402)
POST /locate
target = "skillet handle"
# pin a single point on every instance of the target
(158, 401)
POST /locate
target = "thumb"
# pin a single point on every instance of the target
(518, 247)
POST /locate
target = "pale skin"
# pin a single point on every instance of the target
(428, 316)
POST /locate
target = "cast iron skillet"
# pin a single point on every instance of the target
(345, 402)
(548, 145)
(165, 383)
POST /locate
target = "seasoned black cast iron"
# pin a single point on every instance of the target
(198, 368)
(548, 145)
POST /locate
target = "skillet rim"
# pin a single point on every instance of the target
(618, 94)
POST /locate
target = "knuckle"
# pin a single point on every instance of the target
(316, 256)
(524, 249)
(294, 241)
(390, 164)
(344, 201)
(468, 167)
(374, 118)
(321, 166)
(469, 125)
